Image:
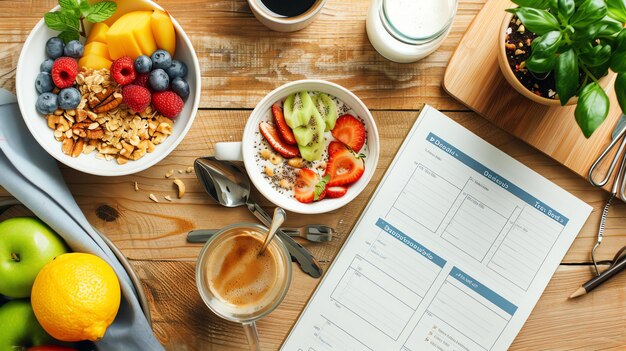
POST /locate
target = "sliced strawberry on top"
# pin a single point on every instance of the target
(344, 167)
(334, 192)
(279, 119)
(334, 147)
(350, 131)
(309, 187)
(271, 135)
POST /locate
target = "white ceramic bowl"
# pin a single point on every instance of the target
(263, 108)
(33, 53)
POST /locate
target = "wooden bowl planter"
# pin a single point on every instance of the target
(510, 76)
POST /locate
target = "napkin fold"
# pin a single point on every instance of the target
(33, 177)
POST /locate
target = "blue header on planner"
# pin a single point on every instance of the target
(497, 179)
(483, 291)
(396, 233)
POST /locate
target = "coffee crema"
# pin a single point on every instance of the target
(239, 276)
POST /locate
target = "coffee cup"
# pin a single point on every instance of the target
(247, 152)
(286, 15)
(239, 281)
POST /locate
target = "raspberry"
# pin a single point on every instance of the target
(64, 72)
(136, 97)
(168, 103)
(123, 70)
(142, 80)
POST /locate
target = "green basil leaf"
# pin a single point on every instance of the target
(101, 11)
(617, 9)
(547, 44)
(588, 12)
(537, 4)
(597, 56)
(69, 35)
(566, 75)
(566, 8)
(538, 64)
(599, 71)
(620, 90)
(605, 28)
(592, 108)
(618, 60)
(537, 21)
(61, 21)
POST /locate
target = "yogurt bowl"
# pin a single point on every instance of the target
(33, 54)
(251, 149)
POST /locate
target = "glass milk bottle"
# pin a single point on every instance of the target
(409, 30)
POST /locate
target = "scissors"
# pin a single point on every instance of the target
(619, 183)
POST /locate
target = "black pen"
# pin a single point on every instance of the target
(598, 280)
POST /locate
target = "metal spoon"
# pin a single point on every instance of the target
(277, 221)
(317, 233)
(230, 187)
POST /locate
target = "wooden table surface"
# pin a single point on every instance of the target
(241, 61)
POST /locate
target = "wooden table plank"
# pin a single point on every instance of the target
(182, 322)
(144, 226)
(241, 60)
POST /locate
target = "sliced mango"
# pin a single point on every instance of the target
(131, 35)
(97, 48)
(163, 31)
(94, 61)
(142, 31)
(98, 33)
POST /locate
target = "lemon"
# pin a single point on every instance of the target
(76, 297)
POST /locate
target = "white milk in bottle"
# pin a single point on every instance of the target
(409, 30)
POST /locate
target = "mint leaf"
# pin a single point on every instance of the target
(84, 7)
(101, 11)
(69, 35)
(68, 4)
(320, 187)
(61, 21)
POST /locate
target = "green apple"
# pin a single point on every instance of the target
(26, 245)
(19, 328)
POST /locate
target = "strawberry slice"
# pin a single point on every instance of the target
(334, 192)
(309, 187)
(271, 135)
(334, 147)
(350, 131)
(283, 128)
(344, 167)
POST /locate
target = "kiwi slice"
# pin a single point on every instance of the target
(312, 151)
(327, 108)
(304, 135)
(298, 109)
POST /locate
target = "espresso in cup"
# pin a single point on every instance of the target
(286, 15)
(241, 277)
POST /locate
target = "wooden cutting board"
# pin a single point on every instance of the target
(474, 78)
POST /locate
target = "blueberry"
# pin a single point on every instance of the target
(161, 59)
(143, 64)
(177, 69)
(44, 83)
(69, 98)
(54, 47)
(74, 49)
(180, 87)
(46, 103)
(158, 80)
(46, 65)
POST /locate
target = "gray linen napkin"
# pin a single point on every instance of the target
(32, 176)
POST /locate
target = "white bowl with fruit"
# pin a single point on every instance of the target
(108, 90)
(310, 146)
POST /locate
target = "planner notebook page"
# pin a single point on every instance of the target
(452, 252)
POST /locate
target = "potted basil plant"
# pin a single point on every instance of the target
(560, 52)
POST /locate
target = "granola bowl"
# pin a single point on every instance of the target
(92, 157)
